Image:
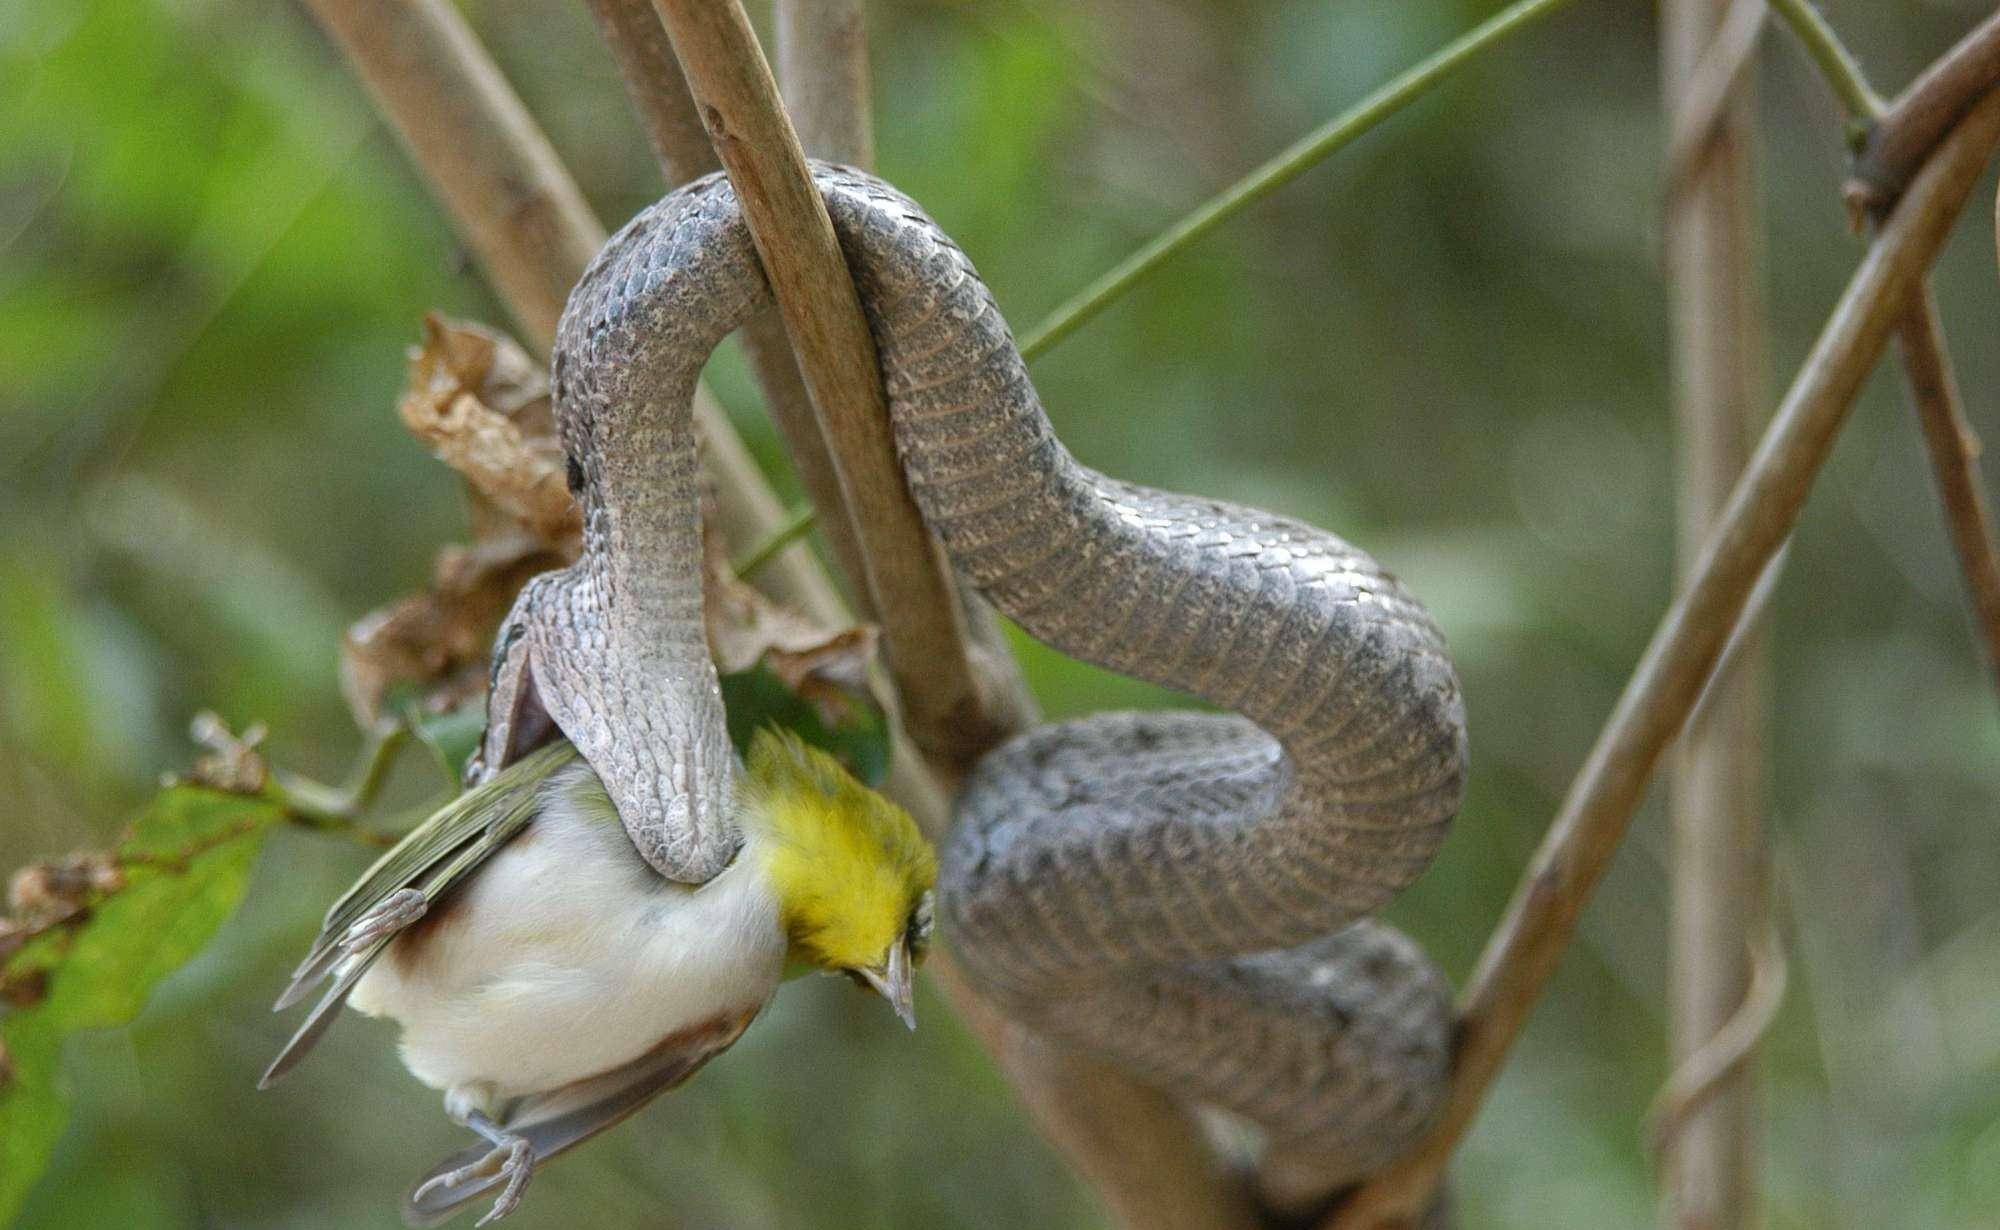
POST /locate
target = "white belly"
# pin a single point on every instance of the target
(566, 956)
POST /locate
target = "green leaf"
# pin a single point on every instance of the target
(452, 736)
(854, 731)
(186, 862)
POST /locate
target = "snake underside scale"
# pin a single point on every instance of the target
(1184, 893)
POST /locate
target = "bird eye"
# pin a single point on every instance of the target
(923, 921)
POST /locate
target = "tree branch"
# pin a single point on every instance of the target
(947, 705)
(659, 94)
(1709, 1140)
(823, 65)
(1905, 133)
(484, 156)
(1530, 939)
(1954, 453)
(498, 178)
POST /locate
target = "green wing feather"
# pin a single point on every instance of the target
(488, 814)
(433, 859)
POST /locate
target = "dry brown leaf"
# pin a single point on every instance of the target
(482, 406)
(439, 640)
(829, 669)
(42, 891)
(229, 762)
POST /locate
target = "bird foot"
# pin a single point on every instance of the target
(511, 1159)
(393, 913)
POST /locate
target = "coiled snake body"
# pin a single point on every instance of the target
(1177, 891)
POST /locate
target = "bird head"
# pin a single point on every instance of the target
(852, 874)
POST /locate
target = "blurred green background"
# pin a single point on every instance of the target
(1447, 344)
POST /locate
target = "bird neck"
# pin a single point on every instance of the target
(826, 907)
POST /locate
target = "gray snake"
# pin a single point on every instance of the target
(1184, 893)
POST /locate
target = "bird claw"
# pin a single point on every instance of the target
(518, 1169)
(512, 1159)
(390, 915)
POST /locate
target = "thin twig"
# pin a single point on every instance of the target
(1834, 61)
(1530, 939)
(1973, 65)
(1904, 134)
(795, 527)
(318, 805)
(947, 707)
(1705, 1072)
(497, 177)
(1299, 158)
(1954, 453)
(1708, 1156)
(1708, 100)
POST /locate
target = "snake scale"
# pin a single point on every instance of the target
(1184, 893)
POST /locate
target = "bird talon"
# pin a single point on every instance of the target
(518, 1169)
(511, 1159)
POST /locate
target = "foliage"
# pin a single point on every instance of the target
(857, 734)
(146, 908)
(1445, 344)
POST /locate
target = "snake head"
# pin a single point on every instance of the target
(640, 701)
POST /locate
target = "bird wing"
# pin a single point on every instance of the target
(434, 858)
(554, 1122)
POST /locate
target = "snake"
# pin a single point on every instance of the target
(1186, 893)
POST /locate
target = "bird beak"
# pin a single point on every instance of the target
(893, 980)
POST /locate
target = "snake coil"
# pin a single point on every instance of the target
(1184, 893)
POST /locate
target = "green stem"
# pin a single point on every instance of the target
(320, 806)
(1287, 166)
(1835, 62)
(791, 531)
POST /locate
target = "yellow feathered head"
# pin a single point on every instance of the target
(852, 873)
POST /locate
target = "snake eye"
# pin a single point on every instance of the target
(574, 473)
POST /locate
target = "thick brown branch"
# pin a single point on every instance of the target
(496, 175)
(659, 93)
(666, 110)
(1910, 129)
(1954, 452)
(1530, 939)
(486, 159)
(945, 700)
(823, 65)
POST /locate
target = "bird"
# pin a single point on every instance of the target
(550, 982)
